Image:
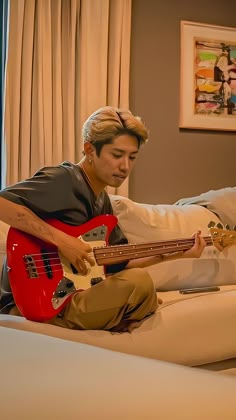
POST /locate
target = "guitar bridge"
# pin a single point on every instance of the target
(30, 267)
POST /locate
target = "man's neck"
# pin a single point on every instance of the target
(90, 176)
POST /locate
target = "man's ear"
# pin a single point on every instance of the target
(89, 150)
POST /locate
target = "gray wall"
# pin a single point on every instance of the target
(175, 163)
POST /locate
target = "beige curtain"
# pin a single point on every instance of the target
(66, 58)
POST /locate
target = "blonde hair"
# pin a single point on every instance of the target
(108, 122)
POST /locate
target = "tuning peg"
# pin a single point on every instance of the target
(227, 227)
(219, 226)
(211, 224)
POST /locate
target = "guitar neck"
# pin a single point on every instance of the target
(118, 253)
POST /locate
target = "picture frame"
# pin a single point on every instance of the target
(207, 77)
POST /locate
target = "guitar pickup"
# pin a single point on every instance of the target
(47, 264)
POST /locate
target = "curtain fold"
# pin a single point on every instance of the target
(119, 65)
(66, 59)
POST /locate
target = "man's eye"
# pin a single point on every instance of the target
(132, 157)
(116, 156)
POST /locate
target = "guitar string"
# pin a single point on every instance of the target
(118, 248)
(48, 271)
(137, 248)
(103, 252)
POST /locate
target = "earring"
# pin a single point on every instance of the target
(90, 161)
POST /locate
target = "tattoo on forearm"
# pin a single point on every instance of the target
(33, 226)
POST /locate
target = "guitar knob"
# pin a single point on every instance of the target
(69, 284)
(95, 280)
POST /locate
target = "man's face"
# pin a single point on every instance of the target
(116, 160)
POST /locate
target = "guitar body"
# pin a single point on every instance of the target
(42, 281)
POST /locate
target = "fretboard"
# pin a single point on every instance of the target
(118, 253)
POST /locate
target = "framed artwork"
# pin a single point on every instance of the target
(207, 77)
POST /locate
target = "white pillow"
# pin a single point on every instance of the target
(213, 268)
(222, 202)
(147, 222)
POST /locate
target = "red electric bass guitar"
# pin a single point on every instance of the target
(43, 281)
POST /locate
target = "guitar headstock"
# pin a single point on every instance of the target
(222, 236)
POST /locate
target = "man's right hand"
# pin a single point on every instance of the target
(76, 251)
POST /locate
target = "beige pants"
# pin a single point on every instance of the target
(112, 304)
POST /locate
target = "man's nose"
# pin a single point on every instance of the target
(124, 165)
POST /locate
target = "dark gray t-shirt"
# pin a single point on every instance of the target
(61, 192)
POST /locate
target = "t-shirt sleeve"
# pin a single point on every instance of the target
(48, 191)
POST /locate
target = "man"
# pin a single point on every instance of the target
(74, 194)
